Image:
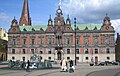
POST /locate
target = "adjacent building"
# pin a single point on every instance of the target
(57, 39)
(117, 48)
(3, 44)
(3, 34)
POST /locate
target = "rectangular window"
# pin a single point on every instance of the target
(77, 40)
(24, 51)
(68, 51)
(95, 40)
(32, 41)
(59, 40)
(107, 40)
(86, 40)
(96, 51)
(49, 41)
(41, 40)
(13, 51)
(108, 51)
(14, 41)
(32, 51)
(77, 58)
(24, 41)
(77, 51)
(102, 39)
(53, 40)
(68, 40)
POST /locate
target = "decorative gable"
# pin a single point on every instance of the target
(95, 28)
(13, 30)
(86, 28)
(49, 29)
(68, 28)
(107, 28)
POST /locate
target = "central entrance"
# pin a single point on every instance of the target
(59, 53)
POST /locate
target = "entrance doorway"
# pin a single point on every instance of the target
(59, 57)
(96, 60)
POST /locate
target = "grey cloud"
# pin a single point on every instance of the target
(92, 11)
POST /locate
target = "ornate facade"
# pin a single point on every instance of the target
(57, 39)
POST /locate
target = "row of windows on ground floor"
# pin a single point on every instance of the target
(68, 51)
(68, 58)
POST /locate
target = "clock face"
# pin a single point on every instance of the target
(68, 28)
(59, 11)
(58, 22)
(107, 27)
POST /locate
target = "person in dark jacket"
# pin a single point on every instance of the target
(28, 65)
(71, 63)
(71, 69)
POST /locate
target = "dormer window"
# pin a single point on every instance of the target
(33, 29)
(24, 29)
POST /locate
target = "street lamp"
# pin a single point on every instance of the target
(75, 38)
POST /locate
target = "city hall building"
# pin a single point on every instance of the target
(59, 38)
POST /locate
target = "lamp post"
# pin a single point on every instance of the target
(75, 38)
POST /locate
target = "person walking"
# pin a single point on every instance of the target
(63, 67)
(28, 65)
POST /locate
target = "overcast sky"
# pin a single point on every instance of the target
(86, 11)
(93, 11)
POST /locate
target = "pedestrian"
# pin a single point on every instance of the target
(71, 63)
(28, 66)
(63, 67)
(71, 68)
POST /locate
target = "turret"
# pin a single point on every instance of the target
(106, 20)
(14, 22)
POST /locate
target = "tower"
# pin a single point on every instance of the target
(25, 16)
